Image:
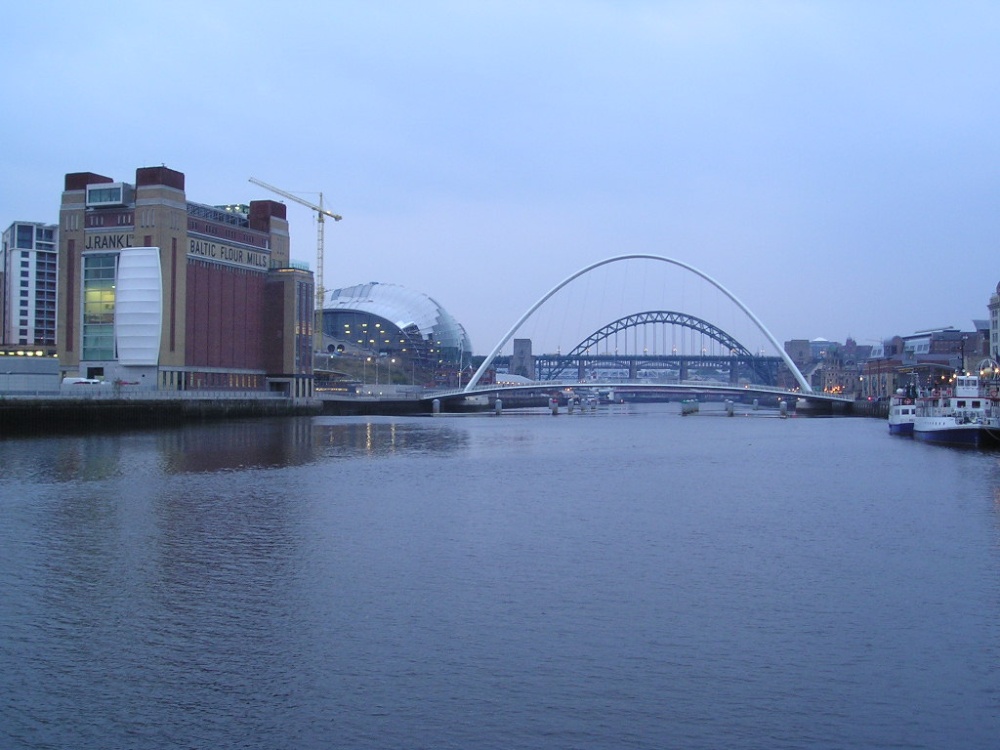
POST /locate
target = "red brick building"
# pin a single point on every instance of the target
(164, 293)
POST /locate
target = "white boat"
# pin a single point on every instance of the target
(902, 411)
(964, 415)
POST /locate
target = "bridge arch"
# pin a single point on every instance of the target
(667, 317)
(661, 316)
(474, 381)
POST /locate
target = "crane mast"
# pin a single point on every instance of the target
(321, 214)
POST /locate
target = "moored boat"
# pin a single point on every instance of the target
(963, 415)
(902, 411)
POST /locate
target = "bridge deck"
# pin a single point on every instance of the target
(688, 387)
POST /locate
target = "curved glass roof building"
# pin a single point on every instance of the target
(393, 320)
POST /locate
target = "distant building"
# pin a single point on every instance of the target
(522, 362)
(819, 348)
(948, 348)
(994, 308)
(878, 374)
(926, 358)
(799, 351)
(169, 294)
(28, 267)
(390, 320)
(982, 346)
(838, 370)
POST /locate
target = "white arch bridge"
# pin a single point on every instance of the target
(487, 363)
(804, 392)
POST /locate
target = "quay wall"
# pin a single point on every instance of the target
(43, 416)
(374, 407)
(877, 409)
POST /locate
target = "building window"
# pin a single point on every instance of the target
(104, 195)
(99, 307)
(25, 236)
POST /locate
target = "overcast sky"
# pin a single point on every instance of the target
(834, 164)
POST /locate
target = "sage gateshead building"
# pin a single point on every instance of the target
(160, 292)
(391, 320)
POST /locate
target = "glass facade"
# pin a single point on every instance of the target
(99, 307)
(104, 195)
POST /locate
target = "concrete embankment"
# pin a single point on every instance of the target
(43, 416)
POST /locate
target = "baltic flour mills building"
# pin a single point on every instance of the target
(161, 292)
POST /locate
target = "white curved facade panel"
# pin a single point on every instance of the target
(138, 306)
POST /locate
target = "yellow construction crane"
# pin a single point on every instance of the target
(321, 214)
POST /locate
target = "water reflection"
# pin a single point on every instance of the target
(223, 446)
(383, 437)
(63, 459)
(231, 446)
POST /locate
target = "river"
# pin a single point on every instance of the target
(618, 578)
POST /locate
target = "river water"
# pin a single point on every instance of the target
(624, 578)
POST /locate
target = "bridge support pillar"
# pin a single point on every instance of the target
(734, 371)
(682, 373)
(633, 369)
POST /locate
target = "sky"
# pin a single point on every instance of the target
(834, 165)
